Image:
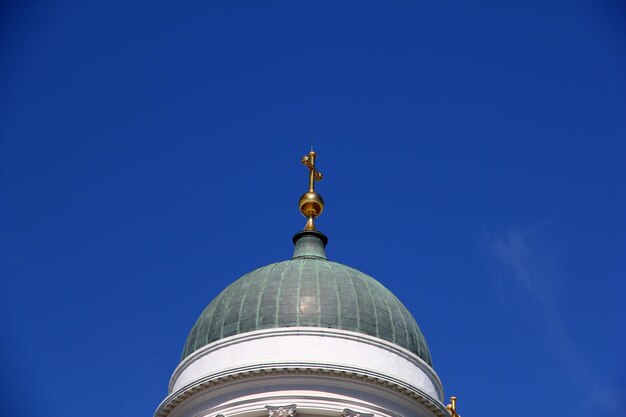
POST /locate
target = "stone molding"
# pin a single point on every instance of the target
(281, 410)
(210, 382)
(351, 413)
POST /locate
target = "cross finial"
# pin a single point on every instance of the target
(452, 407)
(314, 175)
(311, 203)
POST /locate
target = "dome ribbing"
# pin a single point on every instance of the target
(308, 291)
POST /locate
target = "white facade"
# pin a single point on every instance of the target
(322, 372)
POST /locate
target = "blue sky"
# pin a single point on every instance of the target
(474, 162)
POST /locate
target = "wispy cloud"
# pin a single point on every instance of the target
(528, 278)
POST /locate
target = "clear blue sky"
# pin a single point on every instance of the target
(474, 159)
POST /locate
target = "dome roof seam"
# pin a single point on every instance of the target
(340, 307)
(258, 305)
(391, 319)
(358, 311)
(280, 288)
(369, 291)
(406, 328)
(226, 310)
(298, 290)
(244, 299)
(338, 298)
(318, 295)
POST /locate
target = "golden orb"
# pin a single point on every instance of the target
(311, 204)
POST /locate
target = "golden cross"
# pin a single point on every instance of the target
(452, 407)
(314, 175)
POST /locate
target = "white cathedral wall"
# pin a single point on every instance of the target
(322, 371)
(307, 347)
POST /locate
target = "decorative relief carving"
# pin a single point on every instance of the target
(351, 413)
(281, 411)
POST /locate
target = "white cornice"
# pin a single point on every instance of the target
(214, 381)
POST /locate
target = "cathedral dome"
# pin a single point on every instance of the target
(305, 333)
(308, 291)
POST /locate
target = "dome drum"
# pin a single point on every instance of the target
(348, 369)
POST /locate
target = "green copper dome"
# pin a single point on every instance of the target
(308, 291)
